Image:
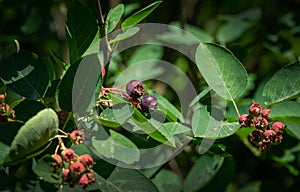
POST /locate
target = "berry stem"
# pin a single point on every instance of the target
(67, 120)
(253, 149)
(235, 107)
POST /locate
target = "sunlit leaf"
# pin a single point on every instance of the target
(140, 15)
(222, 71)
(113, 17)
(283, 85)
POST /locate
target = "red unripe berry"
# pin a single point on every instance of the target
(265, 113)
(149, 103)
(87, 161)
(135, 88)
(91, 177)
(76, 168)
(66, 175)
(83, 182)
(243, 120)
(255, 137)
(261, 123)
(58, 161)
(269, 135)
(278, 127)
(68, 154)
(255, 109)
(77, 137)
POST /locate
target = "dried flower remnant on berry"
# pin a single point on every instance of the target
(87, 161)
(255, 109)
(68, 154)
(76, 168)
(77, 137)
(135, 88)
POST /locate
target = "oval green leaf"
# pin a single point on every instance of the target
(222, 71)
(35, 133)
(140, 15)
(125, 35)
(117, 115)
(113, 17)
(205, 126)
(44, 170)
(111, 144)
(81, 28)
(283, 85)
(25, 74)
(204, 170)
(125, 180)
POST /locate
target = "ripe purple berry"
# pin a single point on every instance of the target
(135, 88)
(149, 103)
(261, 123)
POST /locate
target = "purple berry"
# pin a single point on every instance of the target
(149, 103)
(135, 88)
(261, 123)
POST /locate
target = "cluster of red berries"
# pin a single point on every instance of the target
(5, 110)
(135, 94)
(76, 170)
(266, 133)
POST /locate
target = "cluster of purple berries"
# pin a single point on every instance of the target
(76, 170)
(266, 134)
(135, 94)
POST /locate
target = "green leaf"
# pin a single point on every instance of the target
(144, 124)
(288, 113)
(222, 71)
(284, 84)
(165, 106)
(125, 180)
(125, 35)
(146, 52)
(27, 108)
(77, 88)
(64, 89)
(229, 32)
(25, 74)
(204, 169)
(113, 17)
(81, 28)
(285, 110)
(117, 115)
(167, 181)
(140, 15)
(205, 126)
(201, 34)
(111, 144)
(35, 133)
(44, 170)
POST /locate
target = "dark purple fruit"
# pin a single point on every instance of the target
(149, 103)
(135, 88)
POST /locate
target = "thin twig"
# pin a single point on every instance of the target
(105, 47)
(236, 108)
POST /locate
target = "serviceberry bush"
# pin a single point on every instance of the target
(101, 96)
